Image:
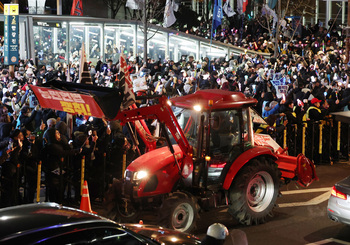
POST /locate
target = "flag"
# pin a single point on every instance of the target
(217, 14)
(169, 17)
(242, 6)
(77, 8)
(209, 4)
(267, 11)
(228, 10)
(175, 6)
(272, 3)
(134, 4)
(245, 3)
(126, 83)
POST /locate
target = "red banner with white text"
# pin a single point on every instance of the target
(70, 102)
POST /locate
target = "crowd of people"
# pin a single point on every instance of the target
(30, 135)
(307, 81)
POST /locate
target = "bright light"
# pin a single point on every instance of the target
(5, 217)
(187, 48)
(140, 175)
(197, 108)
(218, 53)
(169, 103)
(173, 239)
(338, 194)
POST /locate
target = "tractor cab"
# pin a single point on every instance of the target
(218, 128)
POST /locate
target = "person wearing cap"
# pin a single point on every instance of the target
(216, 234)
(314, 112)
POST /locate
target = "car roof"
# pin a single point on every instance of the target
(19, 220)
(221, 100)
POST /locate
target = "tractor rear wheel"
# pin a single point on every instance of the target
(253, 192)
(179, 212)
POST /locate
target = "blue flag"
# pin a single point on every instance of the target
(217, 14)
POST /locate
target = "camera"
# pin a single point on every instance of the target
(10, 146)
(31, 138)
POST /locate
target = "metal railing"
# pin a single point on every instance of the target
(322, 141)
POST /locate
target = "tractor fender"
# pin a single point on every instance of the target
(242, 160)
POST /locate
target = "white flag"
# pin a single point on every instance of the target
(175, 6)
(134, 4)
(228, 10)
(169, 17)
(267, 11)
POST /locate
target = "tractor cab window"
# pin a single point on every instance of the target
(224, 131)
(189, 122)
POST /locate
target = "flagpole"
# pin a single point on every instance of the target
(212, 24)
(242, 27)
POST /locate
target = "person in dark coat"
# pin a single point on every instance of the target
(56, 150)
(27, 118)
(213, 80)
(10, 171)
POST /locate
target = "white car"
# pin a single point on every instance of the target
(338, 208)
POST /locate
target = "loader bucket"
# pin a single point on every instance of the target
(298, 168)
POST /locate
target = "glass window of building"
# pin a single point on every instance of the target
(94, 53)
(181, 47)
(76, 38)
(156, 45)
(50, 41)
(91, 36)
(212, 51)
(119, 39)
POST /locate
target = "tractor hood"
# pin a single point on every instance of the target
(155, 160)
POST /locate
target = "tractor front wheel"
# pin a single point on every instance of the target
(254, 190)
(125, 212)
(179, 212)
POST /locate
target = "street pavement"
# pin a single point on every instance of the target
(300, 216)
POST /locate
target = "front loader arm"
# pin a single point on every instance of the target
(164, 114)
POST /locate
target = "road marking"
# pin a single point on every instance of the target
(301, 191)
(314, 201)
(329, 241)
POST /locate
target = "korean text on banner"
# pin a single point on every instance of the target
(70, 102)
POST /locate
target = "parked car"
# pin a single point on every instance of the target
(338, 208)
(51, 223)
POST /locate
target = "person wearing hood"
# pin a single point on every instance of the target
(188, 87)
(29, 157)
(9, 179)
(56, 150)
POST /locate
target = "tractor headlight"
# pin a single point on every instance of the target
(140, 175)
(197, 107)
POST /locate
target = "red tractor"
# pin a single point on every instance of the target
(210, 161)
